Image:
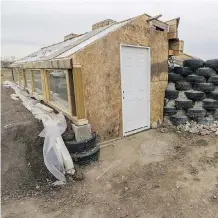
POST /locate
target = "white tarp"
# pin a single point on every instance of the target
(56, 156)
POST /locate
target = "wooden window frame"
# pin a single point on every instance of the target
(71, 113)
(25, 81)
(34, 92)
(75, 94)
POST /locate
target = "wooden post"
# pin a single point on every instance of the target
(19, 79)
(45, 85)
(47, 82)
(78, 90)
(12, 73)
(70, 92)
(24, 79)
(32, 81)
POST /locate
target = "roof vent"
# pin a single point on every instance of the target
(70, 36)
(103, 23)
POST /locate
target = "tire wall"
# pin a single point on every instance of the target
(192, 92)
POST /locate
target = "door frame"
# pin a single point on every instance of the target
(149, 83)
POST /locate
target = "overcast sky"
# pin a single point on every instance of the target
(29, 25)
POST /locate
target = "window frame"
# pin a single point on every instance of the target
(34, 92)
(31, 89)
(71, 112)
(75, 95)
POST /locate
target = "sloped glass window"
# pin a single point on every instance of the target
(28, 79)
(16, 72)
(21, 80)
(37, 81)
(58, 88)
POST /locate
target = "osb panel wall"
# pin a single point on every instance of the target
(101, 75)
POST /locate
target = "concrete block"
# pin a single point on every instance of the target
(82, 132)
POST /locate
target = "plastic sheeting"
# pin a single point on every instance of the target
(56, 156)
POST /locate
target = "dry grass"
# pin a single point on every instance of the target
(6, 75)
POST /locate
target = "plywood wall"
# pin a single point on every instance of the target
(101, 75)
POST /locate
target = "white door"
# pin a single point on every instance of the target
(135, 83)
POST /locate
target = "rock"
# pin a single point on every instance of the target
(159, 122)
(166, 121)
(126, 188)
(154, 125)
(200, 129)
(124, 180)
(164, 130)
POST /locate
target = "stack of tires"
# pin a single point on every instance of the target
(192, 92)
(83, 152)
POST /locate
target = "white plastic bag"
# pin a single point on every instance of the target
(56, 156)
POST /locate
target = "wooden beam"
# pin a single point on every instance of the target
(74, 119)
(78, 90)
(44, 90)
(159, 24)
(174, 52)
(173, 35)
(70, 92)
(50, 64)
(173, 28)
(19, 78)
(24, 79)
(155, 17)
(32, 81)
(47, 86)
(176, 45)
(12, 73)
(173, 22)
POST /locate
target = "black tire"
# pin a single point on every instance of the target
(205, 120)
(183, 86)
(78, 147)
(168, 111)
(213, 79)
(171, 94)
(196, 112)
(210, 104)
(194, 64)
(183, 71)
(215, 114)
(205, 72)
(178, 120)
(212, 64)
(87, 157)
(195, 79)
(173, 77)
(204, 87)
(183, 103)
(68, 136)
(195, 95)
(170, 69)
(166, 101)
(214, 95)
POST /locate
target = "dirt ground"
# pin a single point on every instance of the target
(21, 149)
(149, 175)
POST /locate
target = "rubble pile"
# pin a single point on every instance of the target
(194, 127)
(191, 98)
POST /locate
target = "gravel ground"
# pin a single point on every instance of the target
(152, 174)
